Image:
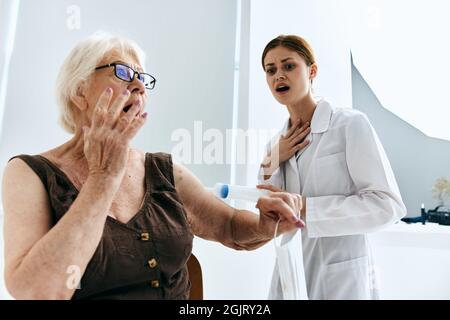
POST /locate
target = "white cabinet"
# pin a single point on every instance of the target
(413, 261)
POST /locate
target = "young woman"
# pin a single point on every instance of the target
(331, 157)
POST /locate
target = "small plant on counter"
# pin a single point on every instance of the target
(441, 190)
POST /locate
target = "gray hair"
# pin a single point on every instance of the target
(79, 66)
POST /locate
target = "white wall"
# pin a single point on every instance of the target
(418, 162)
(400, 48)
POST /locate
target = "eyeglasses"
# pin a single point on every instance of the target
(126, 73)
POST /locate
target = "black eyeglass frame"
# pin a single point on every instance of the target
(114, 64)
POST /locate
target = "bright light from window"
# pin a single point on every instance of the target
(10, 10)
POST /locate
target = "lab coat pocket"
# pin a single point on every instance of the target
(331, 175)
(348, 280)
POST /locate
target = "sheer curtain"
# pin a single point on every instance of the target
(9, 10)
(8, 16)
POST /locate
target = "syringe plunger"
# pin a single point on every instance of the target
(235, 192)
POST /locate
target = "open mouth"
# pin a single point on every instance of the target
(127, 107)
(282, 89)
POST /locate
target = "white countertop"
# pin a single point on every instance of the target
(418, 227)
(401, 234)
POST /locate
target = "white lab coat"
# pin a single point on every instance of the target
(350, 190)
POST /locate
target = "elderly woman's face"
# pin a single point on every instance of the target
(106, 77)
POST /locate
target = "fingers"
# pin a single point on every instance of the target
(286, 226)
(127, 118)
(307, 124)
(134, 127)
(289, 199)
(101, 107)
(298, 203)
(116, 108)
(85, 131)
(294, 203)
(286, 212)
(300, 136)
(300, 133)
(301, 145)
(269, 187)
(279, 203)
(292, 129)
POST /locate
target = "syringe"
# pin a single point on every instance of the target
(234, 192)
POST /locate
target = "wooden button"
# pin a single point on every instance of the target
(152, 263)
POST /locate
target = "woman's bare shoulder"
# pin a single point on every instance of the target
(18, 175)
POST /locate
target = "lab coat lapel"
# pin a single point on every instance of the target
(292, 179)
(320, 123)
(292, 176)
(293, 165)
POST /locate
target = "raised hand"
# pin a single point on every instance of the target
(106, 141)
(292, 141)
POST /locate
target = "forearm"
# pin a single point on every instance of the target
(245, 231)
(355, 214)
(43, 272)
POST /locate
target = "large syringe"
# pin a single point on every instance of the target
(234, 192)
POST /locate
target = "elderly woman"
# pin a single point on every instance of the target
(96, 209)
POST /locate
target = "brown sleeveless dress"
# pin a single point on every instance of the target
(142, 259)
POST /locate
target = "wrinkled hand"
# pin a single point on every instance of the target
(106, 142)
(279, 205)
